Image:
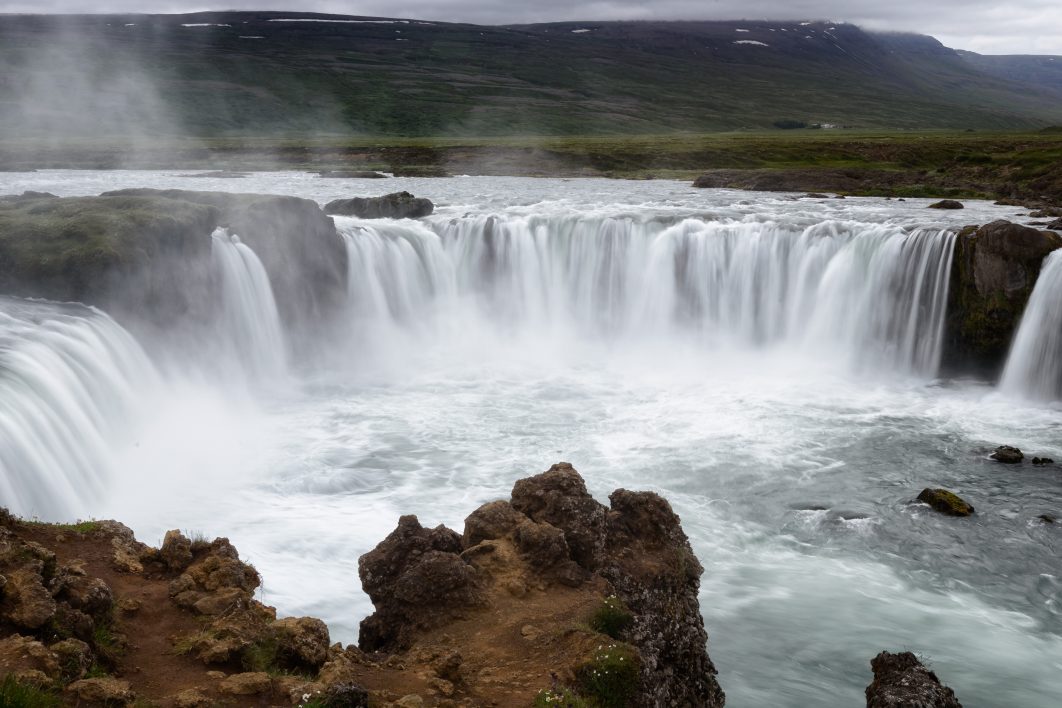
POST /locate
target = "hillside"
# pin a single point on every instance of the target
(1044, 72)
(299, 74)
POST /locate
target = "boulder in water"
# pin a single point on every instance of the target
(946, 502)
(1055, 225)
(946, 204)
(902, 681)
(398, 205)
(1041, 461)
(1008, 455)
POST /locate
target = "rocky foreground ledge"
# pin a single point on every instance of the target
(550, 598)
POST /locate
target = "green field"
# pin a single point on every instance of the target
(1019, 165)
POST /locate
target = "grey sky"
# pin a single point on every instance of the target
(986, 26)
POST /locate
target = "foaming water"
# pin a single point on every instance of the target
(70, 378)
(765, 363)
(1034, 366)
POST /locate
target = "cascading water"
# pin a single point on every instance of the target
(744, 355)
(873, 293)
(1034, 365)
(250, 317)
(70, 381)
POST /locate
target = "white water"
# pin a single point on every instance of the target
(791, 439)
(1034, 366)
(70, 381)
(251, 322)
(871, 295)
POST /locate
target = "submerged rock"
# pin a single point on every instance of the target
(1048, 518)
(946, 204)
(398, 205)
(1041, 461)
(946, 502)
(1008, 455)
(901, 681)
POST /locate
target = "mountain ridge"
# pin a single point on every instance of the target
(296, 73)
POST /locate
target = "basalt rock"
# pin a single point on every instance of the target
(635, 549)
(176, 551)
(302, 643)
(1008, 455)
(994, 269)
(416, 579)
(399, 205)
(946, 204)
(901, 681)
(216, 581)
(20, 654)
(26, 602)
(946, 502)
(559, 497)
(653, 569)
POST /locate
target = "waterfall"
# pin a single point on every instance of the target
(871, 293)
(1034, 365)
(250, 317)
(70, 380)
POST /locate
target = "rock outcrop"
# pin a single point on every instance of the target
(556, 545)
(296, 242)
(901, 681)
(398, 205)
(146, 253)
(60, 616)
(993, 273)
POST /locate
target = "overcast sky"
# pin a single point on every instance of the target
(986, 26)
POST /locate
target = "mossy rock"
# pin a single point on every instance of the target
(946, 502)
(994, 269)
(76, 248)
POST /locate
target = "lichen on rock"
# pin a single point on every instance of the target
(902, 681)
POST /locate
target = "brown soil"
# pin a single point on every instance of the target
(526, 639)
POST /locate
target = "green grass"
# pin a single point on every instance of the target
(611, 618)
(611, 679)
(79, 527)
(14, 694)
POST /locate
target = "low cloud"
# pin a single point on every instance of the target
(988, 26)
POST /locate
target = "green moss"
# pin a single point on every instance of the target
(14, 694)
(63, 248)
(610, 680)
(612, 617)
(560, 698)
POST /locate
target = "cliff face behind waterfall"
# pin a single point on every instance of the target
(269, 73)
